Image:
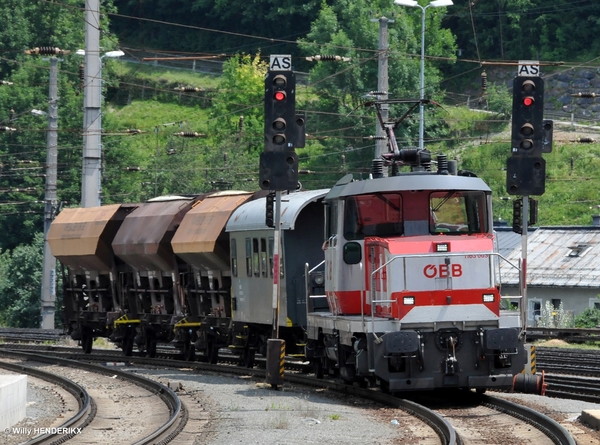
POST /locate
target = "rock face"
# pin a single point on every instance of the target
(559, 85)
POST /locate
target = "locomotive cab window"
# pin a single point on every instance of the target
(458, 212)
(375, 214)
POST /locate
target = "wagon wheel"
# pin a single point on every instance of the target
(212, 351)
(189, 351)
(151, 346)
(248, 357)
(318, 368)
(127, 344)
(87, 339)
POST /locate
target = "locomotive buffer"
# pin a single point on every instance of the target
(278, 171)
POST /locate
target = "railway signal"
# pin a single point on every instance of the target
(284, 131)
(530, 137)
(270, 210)
(280, 110)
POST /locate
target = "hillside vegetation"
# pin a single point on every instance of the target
(145, 112)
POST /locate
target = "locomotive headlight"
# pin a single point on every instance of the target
(319, 279)
(488, 298)
(409, 301)
(442, 247)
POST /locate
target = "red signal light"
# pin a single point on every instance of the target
(528, 101)
(279, 96)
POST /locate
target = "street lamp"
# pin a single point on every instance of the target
(92, 124)
(415, 4)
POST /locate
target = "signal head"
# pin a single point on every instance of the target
(528, 101)
(279, 96)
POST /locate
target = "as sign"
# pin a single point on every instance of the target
(528, 68)
(280, 63)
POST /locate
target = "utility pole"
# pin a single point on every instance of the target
(50, 201)
(48, 292)
(92, 117)
(382, 85)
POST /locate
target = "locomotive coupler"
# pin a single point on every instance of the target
(451, 365)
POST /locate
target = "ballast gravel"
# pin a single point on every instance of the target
(240, 410)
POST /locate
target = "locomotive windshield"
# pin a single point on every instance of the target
(410, 213)
(458, 212)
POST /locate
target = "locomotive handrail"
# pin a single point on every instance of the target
(404, 257)
(307, 273)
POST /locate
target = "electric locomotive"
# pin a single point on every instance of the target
(411, 282)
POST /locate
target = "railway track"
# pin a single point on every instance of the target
(439, 424)
(571, 373)
(87, 407)
(23, 335)
(164, 433)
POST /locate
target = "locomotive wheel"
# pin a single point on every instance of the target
(87, 339)
(384, 386)
(212, 352)
(189, 351)
(248, 357)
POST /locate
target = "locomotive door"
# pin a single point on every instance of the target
(332, 272)
(377, 283)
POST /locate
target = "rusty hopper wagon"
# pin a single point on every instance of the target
(81, 240)
(151, 293)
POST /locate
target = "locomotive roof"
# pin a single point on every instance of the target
(416, 181)
(251, 215)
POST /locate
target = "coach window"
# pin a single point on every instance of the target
(255, 257)
(271, 244)
(263, 257)
(249, 257)
(233, 248)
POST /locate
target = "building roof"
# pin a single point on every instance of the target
(558, 257)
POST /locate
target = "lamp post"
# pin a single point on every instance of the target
(415, 4)
(92, 126)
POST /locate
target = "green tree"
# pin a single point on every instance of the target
(20, 285)
(337, 119)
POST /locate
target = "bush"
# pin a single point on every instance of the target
(590, 318)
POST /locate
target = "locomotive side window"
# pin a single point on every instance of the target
(331, 212)
(458, 212)
(248, 257)
(255, 257)
(376, 214)
(233, 257)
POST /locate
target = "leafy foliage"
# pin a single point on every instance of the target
(525, 29)
(590, 318)
(20, 284)
(555, 318)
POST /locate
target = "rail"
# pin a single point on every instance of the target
(556, 432)
(87, 410)
(169, 397)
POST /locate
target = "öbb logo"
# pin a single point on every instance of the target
(442, 270)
